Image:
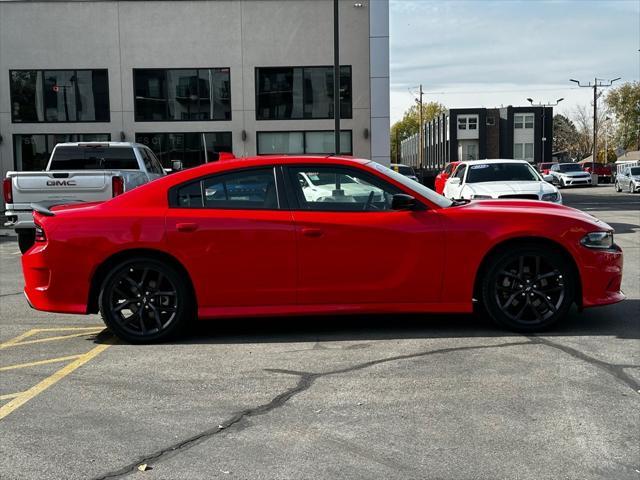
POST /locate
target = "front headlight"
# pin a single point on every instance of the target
(550, 197)
(598, 240)
(481, 197)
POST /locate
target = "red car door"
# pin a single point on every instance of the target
(236, 239)
(353, 249)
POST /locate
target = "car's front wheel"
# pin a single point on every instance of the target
(528, 288)
(618, 189)
(145, 300)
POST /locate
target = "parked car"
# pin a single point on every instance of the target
(405, 170)
(628, 180)
(603, 171)
(145, 259)
(76, 172)
(485, 179)
(544, 168)
(569, 175)
(443, 176)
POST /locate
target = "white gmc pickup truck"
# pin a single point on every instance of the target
(76, 172)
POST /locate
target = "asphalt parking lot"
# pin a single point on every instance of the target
(424, 397)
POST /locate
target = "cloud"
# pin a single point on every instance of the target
(452, 45)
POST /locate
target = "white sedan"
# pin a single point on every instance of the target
(493, 179)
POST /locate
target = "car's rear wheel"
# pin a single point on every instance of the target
(528, 288)
(145, 300)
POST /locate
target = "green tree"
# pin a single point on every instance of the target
(565, 135)
(410, 123)
(624, 103)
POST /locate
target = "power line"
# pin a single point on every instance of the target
(469, 92)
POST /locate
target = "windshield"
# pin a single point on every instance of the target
(412, 185)
(94, 158)
(569, 167)
(501, 172)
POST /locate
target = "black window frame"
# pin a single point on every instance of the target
(293, 190)
(304, 142)
(49, 151)
(303, 67)
(137, 135)
(37, 122)
(283, 204)
(167, 119)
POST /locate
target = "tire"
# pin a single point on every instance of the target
(528, 288)
(26, 239)
(630, 188)
(561, 184)
(140, 285)
(617, 186)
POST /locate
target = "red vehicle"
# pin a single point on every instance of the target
(444, 175)
(310, 235)
(603, 171)
(544, 168)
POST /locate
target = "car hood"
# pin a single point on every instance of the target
(575, 174)
(524, 207)
(507, 188)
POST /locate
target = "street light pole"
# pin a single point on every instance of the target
(597, 82)
(544, 116)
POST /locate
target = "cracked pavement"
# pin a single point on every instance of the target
(442, 397)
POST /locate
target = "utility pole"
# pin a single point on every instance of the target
(602, 83)
(544, 115)
(336, 75)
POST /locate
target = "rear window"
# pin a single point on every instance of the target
(404, 170)
(94, 158)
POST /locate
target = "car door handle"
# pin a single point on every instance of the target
(312, 232)
(186, 227)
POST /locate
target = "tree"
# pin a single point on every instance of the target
(565, 136)
(624, 103)
(410, 123)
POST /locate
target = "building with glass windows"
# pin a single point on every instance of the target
(192, 78)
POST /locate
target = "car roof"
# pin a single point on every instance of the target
(106, 144)
(494, 160)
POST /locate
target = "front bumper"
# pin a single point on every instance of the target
(601, 273)
(570, 182)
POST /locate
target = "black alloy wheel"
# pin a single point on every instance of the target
(145, 300)
(528, 288)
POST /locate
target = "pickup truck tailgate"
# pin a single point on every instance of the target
(87, 185)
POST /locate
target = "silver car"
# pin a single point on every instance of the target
(628, 180)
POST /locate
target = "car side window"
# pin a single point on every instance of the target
(447, 170)
(248, 189)
(460, 172)
(151, 163)
(555, 168)
(340, 189)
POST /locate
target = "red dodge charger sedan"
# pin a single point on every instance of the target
(313, 235)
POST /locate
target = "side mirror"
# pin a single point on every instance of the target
(454, 181)
(176, 165)
(400, 201)
(547, 178)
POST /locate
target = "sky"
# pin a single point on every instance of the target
(490, 53)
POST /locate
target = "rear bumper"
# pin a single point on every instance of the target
(601, 273)
(60, 290)
(19, 219)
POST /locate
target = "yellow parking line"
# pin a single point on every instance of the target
(51, 339)
(68, 329)
(39, 362)
(14, 340)
(27, 395)
(10, 395)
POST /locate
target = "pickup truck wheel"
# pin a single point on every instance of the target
(145, 301)
(528, 288)
(26, 239)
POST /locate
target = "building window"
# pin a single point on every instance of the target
(182, 95)
(301, 142)
(286, 93)
(523, 120)
(523, 151)
(32, 152)
(39, 96)
(467, 122)
(192, 148)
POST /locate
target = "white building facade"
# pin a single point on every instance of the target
(192, 78)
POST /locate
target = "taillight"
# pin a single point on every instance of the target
(117, 186)
(40, 236)
(7, 190)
